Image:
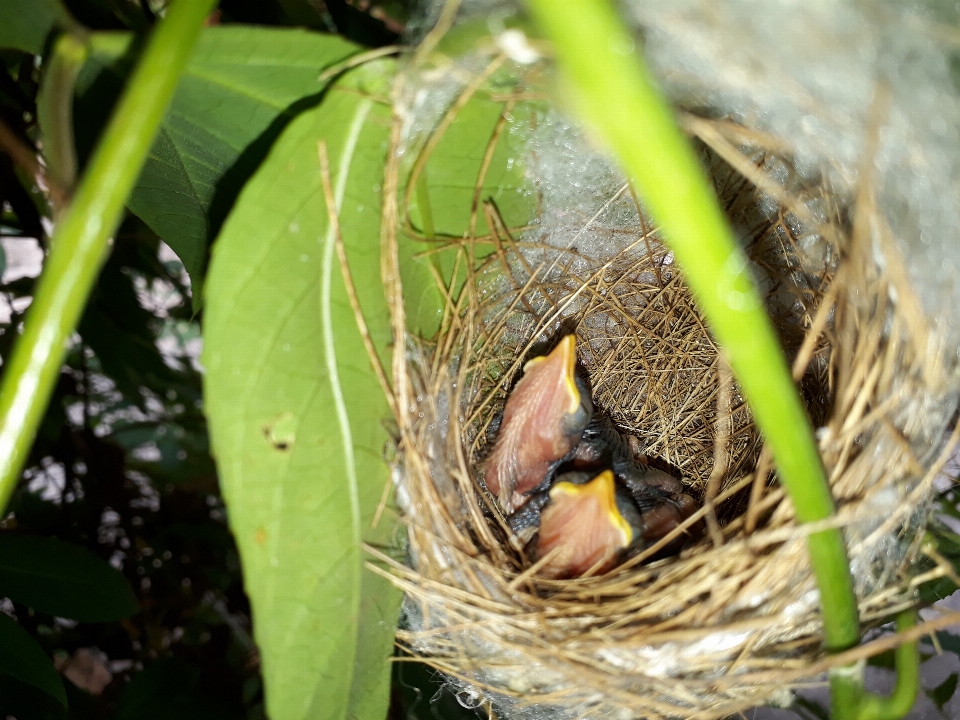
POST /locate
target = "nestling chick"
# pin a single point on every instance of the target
(661, 512)
(586, 525)
(601, 446)
(543, 420)
(659, 496)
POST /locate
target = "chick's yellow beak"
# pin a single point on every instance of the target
(564, 356)
(600, 494)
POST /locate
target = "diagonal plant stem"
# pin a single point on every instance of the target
(616, 96)
(81, 239)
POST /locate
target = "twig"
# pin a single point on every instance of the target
(25, 158)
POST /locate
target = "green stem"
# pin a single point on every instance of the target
(80, 240)
(618, 98)
(875, 707)
(55, 115)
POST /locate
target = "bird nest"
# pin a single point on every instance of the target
(732, 621)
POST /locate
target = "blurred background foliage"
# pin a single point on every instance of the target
(121, 594)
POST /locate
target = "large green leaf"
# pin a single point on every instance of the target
(63, 580)
(241, 88)
(24, 24)
(23, 659)
(296, 411)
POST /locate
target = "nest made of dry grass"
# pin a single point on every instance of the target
(733, 621)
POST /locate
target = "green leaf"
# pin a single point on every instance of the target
(423, 694)
(22, 658)
(441, 202)
(25, 24)
(947, 641)
(169, 688)
(241, 88)
(296, 412)
(935, 590)
(942, 693)
(63, 580)
(887, 659)
(455, 163)
(117, 329)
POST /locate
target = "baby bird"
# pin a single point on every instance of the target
(601, 446)
(659, 496)
(661, 512)
(586, 525)
(543, 420)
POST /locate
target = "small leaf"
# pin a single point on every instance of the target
(935, 590)
(63, 580)
(22, 658)
(25, 24)
(947, 641)
(942, 693)
(296, 411)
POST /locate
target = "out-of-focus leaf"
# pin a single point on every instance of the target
(168, 688)
(942, 693)
(24, 701)
(936, 590)
(425, 696)
(949, 642)
(296, 412)
(948, 545)
(116, 328)
(63, 580)
(887, 659)
(815, 710)
(25, 24)
(240, 89)
(24, 660)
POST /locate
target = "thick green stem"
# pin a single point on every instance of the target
(618, 99)
(80, 240)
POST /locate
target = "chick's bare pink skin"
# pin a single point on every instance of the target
(583, 529)
(543, 420)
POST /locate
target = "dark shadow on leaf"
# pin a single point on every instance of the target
(247, 163)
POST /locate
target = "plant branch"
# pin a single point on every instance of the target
(616, 96)
(55, 115)
(25, 157)
(81, 239)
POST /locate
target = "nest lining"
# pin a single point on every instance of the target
(733, 621)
